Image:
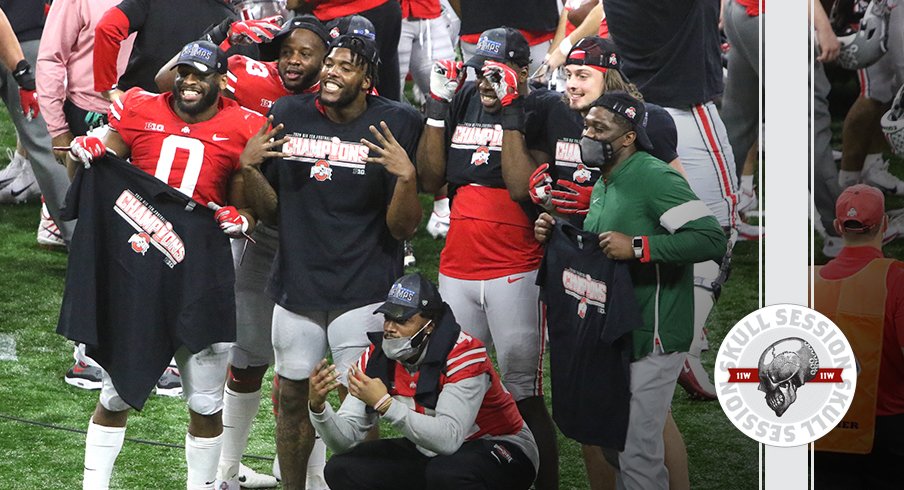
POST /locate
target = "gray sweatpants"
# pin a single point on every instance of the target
(740, 103)
(825, 172)
(51, 176)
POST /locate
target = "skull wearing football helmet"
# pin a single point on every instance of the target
(259, 9)
(866, 46)
(893, 124)
(784, 367)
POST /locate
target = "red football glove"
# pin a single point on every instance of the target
(574, 200)
(446, 79)
(29, 101)
(541, 186)
(231, 222)
(86, 149)
(252, 31)
(504, 80)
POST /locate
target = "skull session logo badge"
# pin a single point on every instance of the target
(785, 375)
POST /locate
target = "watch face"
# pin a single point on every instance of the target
(638, 242)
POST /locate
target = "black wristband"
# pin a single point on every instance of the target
(436, 109)
(24, 75)
(513, 116)
(218, 33)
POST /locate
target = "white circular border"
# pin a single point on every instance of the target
(724, 360)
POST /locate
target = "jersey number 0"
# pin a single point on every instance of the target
(195, 149)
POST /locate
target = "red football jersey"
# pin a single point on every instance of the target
(196, 159)
(256, 85)
(498, 415)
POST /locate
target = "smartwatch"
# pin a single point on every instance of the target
(637, 245)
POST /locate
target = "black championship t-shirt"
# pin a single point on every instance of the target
(556, 130)
(591, 310)
(335, 250)
(149, 271)
(675, 58)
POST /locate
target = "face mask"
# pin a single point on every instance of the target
(404, 348)
(596, 153)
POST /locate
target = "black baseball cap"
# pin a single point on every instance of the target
(596, 52)
(270, 51)
(630, 109)
(500, 44)
(411, 294)
(351, 24)
(360, 45)
(203, 56)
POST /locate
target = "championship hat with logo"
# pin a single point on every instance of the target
(595, 52)
(203, 56)
(270, 51)
(356, 25)
(500, 44)
(859, 208)
(411, 294)
(629, 108)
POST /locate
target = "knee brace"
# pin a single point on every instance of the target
(205, 403)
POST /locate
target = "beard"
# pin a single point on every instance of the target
(302, 83)
(194, 108)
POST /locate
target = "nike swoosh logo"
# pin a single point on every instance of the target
(219, 138)
(516, 279)
(5, 182)
(20, 191)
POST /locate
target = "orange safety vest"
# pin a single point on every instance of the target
(857, 305)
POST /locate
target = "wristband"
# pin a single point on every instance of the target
(381, 401)
(513, 116)
(436, 109)
(436, 123)
(311, 409)
(385, 407)
(565, 46)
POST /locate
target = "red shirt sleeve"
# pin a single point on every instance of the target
(110, 32)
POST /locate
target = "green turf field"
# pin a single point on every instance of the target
(42, 419)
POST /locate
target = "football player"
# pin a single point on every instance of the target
(344, 205)
(490, 284)
(195, 141)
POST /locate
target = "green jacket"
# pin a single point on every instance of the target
(643, 196)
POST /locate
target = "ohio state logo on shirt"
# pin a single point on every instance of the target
(140, 242)
(321, 171)
(586, 289)
(581, 174)
(480, 156)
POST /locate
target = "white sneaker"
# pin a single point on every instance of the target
(276, 472)
(11, 171)
(879, 177)
(232, 484)
(748, 201)
(23, 188)
(748, 232)
(248, 478)
(895, 228)
(409, 260)
(831, 246)
(48, 233)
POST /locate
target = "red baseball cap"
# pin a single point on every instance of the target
(859, 208)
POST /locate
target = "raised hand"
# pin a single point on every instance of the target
(504, 80)
(446, 79)
(389, 153)
(260, 146)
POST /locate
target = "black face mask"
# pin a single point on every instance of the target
(597, 153)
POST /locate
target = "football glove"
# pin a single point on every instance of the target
(252, 31)
(541, 187)
(574, 200)
(28, 98)
(445, 79)
(504, 80)
(231, 222)
(86, 149)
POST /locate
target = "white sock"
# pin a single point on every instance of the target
(201, 456)
(317, 460)
(871, 160)
(847, 178)
(102, 446)
(747, 183)
(441, 206)
(239, 411)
